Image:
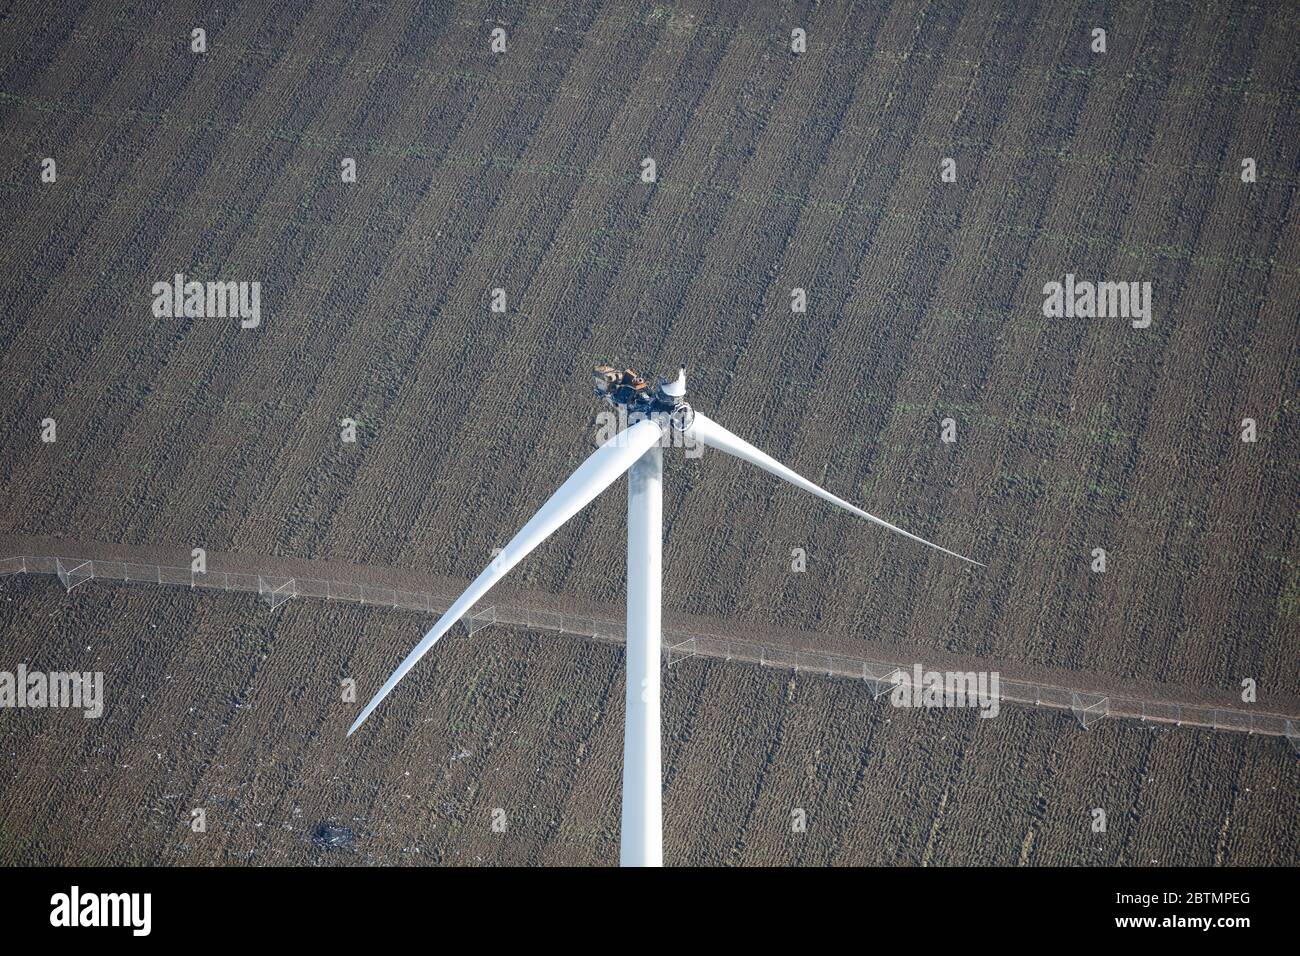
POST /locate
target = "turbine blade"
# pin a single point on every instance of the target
(715, 436)
(606, 464)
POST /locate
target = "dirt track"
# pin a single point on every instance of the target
(677, 627)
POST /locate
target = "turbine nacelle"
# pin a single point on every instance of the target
(627, 389)
(635, 399)
(676, 389)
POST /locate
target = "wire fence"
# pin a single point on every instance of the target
(881, 677)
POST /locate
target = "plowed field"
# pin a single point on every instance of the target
(521, 171)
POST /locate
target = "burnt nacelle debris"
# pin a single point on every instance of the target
(627, 389)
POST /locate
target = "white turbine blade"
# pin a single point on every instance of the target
(715, 436)
(606, 464)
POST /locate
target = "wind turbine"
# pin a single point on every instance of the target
(656, 416)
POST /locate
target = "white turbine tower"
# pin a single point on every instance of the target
(636, 450)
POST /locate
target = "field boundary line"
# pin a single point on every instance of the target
(881, 676)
